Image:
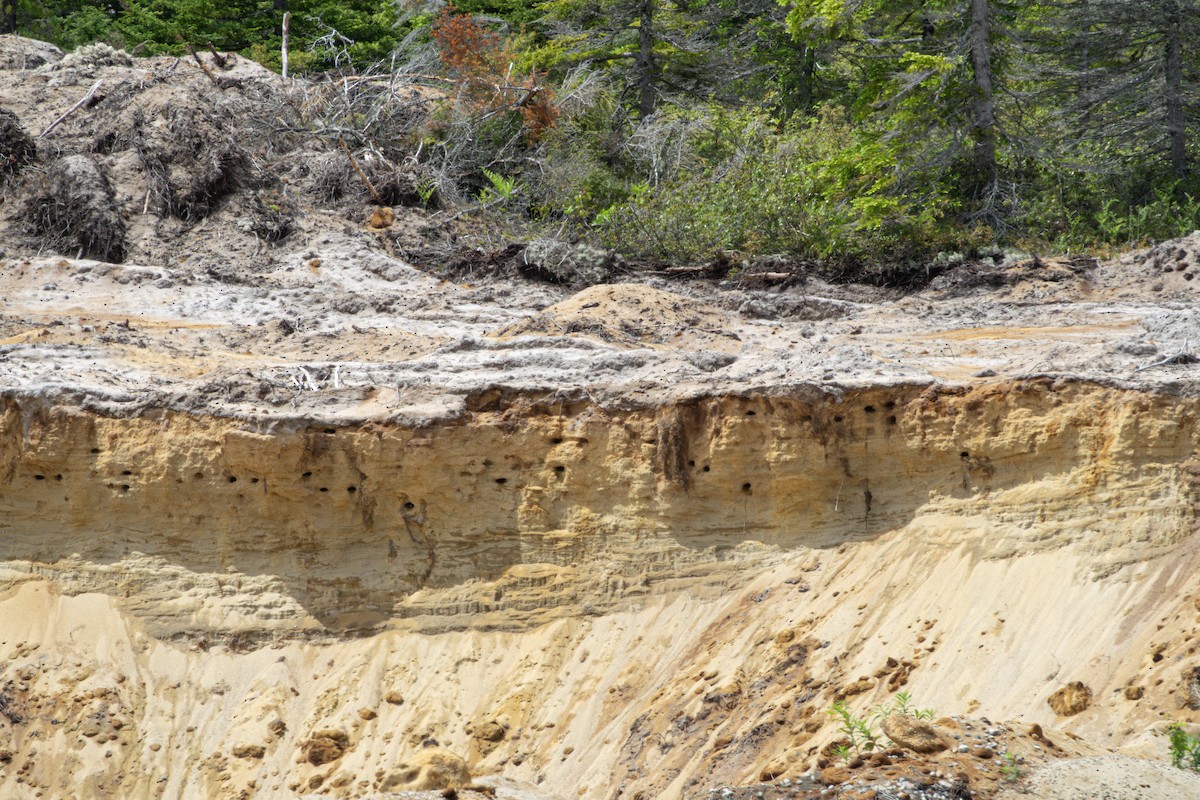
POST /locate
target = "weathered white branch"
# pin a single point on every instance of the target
(72, 109)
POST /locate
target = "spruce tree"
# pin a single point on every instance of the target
(655, 48)
(932, 76)
(1129, 84)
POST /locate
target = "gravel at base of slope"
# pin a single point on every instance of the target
(1108, 778)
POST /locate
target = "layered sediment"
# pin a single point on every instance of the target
(585, 599)
(282, 515)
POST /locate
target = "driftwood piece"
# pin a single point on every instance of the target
(72, 109)
(765, 276)
(1177, 359)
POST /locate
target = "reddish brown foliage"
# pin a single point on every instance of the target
(482, 63)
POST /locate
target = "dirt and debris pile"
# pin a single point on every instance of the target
(164, 145)
(184, 144)
(19, 53)
(631, 316)
(17, 148)
(75, 209)
(977, 759)
(88, 58)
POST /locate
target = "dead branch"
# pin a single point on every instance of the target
(366, 181)
(283, 49)
(220, 59)
(72, 109)
(203, 66)
(390, 77)
(468, 210)
(1177, 359)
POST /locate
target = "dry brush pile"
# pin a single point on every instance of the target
(125, 170)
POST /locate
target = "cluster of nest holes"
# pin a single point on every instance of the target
(325, 489)
(559, 470)
(124, 487)
(234, 479)
(890, 405)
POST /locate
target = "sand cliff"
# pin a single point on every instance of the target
(283, 514)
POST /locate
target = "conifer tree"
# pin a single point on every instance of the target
(1129, 82)
(932, 74)
(657, 48)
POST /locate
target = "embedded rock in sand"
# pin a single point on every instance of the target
(491, 731)
(832, 776)
(431, 768)
(912, 734)
(325, 746)
(247, 750)
(1070, 699)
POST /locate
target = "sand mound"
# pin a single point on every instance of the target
(630, 315)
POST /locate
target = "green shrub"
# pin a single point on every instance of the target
(1185, 747)
(861, 730)
(818, 189)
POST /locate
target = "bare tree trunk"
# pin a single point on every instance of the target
(1085, 83)
(286, 36)
(808, 73)
(1173, 68)
(984, 122)
(647, 91)
(798, 84)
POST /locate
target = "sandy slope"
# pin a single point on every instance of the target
(627, 541)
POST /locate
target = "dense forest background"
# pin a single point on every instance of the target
(840, 132)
